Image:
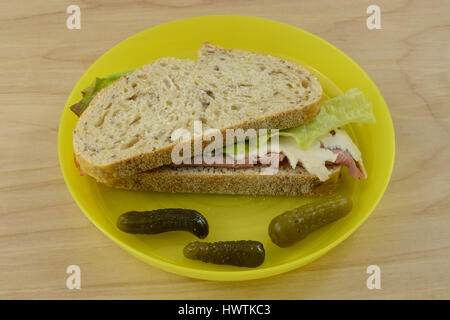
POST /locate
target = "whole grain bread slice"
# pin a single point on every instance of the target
(248, 181)
(127, 127)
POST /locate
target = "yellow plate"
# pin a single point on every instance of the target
(232, 217)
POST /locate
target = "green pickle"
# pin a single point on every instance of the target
(243, 253)
(163, 220)
(294, 225)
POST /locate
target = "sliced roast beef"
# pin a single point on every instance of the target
(345, 158)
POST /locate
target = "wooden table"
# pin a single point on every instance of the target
(42, 230)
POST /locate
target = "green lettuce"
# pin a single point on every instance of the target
(351, 107)
(97, 85)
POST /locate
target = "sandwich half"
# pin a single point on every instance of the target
(124, 138)
(128, 125)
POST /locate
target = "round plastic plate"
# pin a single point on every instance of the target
(233, 217)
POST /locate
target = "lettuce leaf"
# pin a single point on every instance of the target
(243, 147)
(97, 85)
(351, 107)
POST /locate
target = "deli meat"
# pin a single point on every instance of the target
(346, 159)
(271, 157)
(229, 162)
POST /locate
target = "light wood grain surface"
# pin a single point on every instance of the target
(42, 230)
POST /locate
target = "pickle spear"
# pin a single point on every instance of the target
(243, 253)
(294, 225)
(163, 220)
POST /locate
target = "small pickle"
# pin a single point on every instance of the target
(163, 220)
(292, 226)
(244, 253)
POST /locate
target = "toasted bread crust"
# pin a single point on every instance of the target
(285, 183)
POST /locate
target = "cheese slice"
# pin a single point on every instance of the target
(313, 159)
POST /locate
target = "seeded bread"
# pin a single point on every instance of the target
(249, 181)
(127, 127)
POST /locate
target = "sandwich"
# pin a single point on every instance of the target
(128, 134)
